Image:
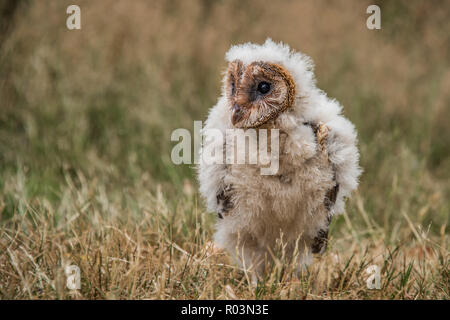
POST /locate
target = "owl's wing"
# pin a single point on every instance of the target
(341, 146)
(211, 175)
(337, 139)
(321, 132)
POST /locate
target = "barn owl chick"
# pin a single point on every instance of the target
(270, 87)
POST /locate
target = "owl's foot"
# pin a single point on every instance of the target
(224, 201)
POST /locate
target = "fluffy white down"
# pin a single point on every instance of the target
(311, 105)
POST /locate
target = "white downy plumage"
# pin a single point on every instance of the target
(290, 203)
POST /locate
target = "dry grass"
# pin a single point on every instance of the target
(85, 170)
(136, 246)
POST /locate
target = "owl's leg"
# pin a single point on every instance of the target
(244, 249)
(247, 252)
(224, 202)
(253, 261)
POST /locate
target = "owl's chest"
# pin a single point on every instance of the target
(280, 180)
(285, 176)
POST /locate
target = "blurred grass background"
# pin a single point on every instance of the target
(97, 106)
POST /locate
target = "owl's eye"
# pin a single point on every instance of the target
(263, 87)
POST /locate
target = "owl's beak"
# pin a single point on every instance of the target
(236, 114)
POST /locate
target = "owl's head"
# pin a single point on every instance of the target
(258, 92)
(263, 81)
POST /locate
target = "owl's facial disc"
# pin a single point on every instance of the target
(258, 92)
